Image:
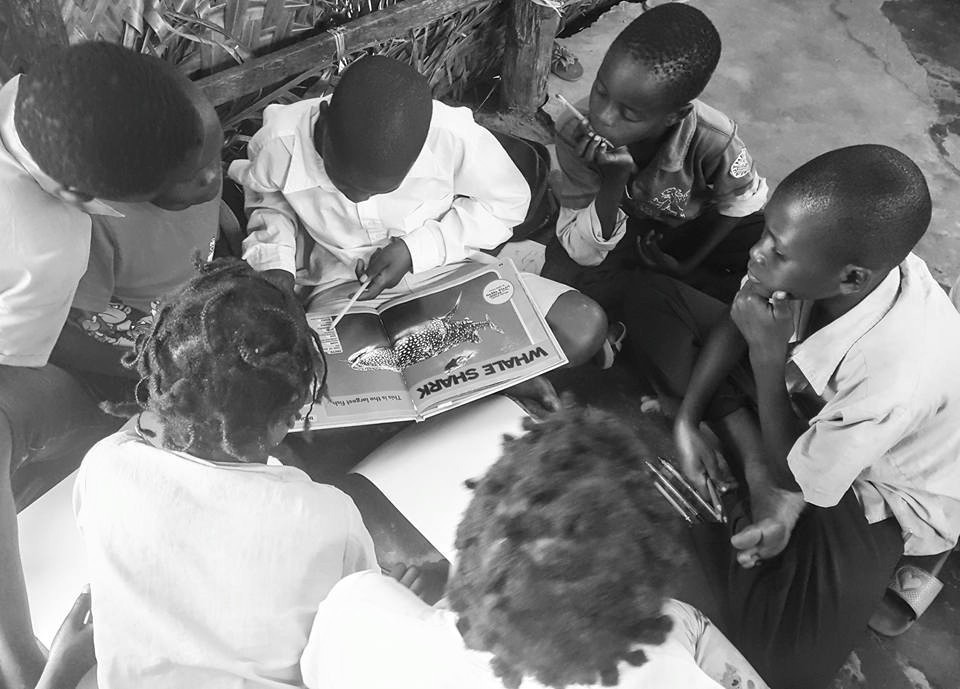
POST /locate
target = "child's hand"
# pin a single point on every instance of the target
(387, 266)
(593, 149)
(71, 653)
(410, 577)
(766, 323)
(652, 256)
(698, 459)
(281, 278)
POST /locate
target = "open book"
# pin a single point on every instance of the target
(470, 333)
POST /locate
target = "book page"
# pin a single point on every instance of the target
(364, 385)
(471, 333)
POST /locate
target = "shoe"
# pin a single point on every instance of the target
(565, 64)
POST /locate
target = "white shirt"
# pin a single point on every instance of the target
(44, 244)
(372, 633)
(205, 574)
(883, 381)
(462, 194)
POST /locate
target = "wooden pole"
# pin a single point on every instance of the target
(531, 29)
(28, 28)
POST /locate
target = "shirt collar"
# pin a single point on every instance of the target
(11, 142)
(306, 169)
(819, 355)
(674, 150)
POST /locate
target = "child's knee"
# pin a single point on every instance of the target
(579, 324)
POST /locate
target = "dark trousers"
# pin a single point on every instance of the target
(797, 616)
(718, 275)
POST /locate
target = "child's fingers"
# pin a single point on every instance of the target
(77, 616)
(360, 269)
(748, 538)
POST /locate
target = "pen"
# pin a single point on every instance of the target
(666, 485)
(715, 499)
(667, 497)
(353, 300)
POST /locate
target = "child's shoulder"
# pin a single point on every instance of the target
(294, 118)
(713, 129)
(451, 122)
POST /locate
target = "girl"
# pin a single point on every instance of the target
(207, 560)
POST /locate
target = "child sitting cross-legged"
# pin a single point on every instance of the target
(207, 562)
(380, 179)
(565, 560)
(655, 177)
(833, 383)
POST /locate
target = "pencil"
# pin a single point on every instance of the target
(353, 300)
(667, 497)
(711, 510)
(715, 499)
(583, 120)
(669, 487)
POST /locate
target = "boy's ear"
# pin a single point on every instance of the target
(679, 114)
(854, 278)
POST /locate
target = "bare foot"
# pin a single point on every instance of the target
(537, 395)
(775, 513)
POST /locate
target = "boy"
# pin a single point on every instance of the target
(381, 179)
(676, 181)
(68, 136)
(850, 454)
(565, 560)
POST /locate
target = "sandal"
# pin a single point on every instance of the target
(909, 593)
(565, 64)
(616, 334)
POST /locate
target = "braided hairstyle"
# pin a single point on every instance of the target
(227, 358)
(565, 553)
(678, 44)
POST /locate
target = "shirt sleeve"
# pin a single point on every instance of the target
(574, 183)
(271, 241)
(491, 197)
(581, 236)
(97, 284)
(737, 187)
(841, 442)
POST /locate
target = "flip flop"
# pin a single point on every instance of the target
(565, 64)
(616, 334)
(909, 593)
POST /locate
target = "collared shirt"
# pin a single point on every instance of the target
(882, 386)
(702, 165)
(462, 194)
(44, 244)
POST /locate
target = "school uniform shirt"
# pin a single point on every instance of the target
(702, 165)
(44, 244)
(462, 194)
(881, 386)
(138, 258)
(207, 574)
(372, 633)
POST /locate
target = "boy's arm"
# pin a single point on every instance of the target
(490, 198)
(722, 351)
(271, 242)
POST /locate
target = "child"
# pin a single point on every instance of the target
(676, 177)
(380, 179)
(850, 450)
(566, 557)
(92, 121)
(207, 563)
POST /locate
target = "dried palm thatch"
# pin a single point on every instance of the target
(201, 36)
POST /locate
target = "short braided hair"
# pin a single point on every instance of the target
(874, 197)
(105, 120)
(565, 553)
(678, 44)
(227, 357)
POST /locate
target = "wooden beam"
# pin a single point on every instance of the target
(531, 29)
(369, 30)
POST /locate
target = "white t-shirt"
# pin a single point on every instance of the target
(372, 633)
(204, 574)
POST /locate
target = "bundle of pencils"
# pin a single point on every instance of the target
(683, 497)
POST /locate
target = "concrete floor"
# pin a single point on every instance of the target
(801, 78)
